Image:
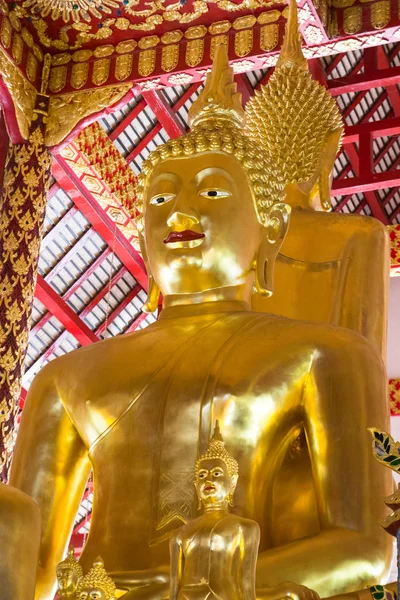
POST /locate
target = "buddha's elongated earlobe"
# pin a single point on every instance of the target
(276, 229)
(153, 295)
(328, 157)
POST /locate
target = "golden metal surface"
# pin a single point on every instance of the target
(294, 398)
(333, 268)
(69, 573)
(19, 544)
(96, 584)
(215, 555)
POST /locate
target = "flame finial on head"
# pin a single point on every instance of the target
(291, 53)
(219, 98)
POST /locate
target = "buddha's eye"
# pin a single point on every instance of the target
(202, 475)
(214, 193)
(217, 473)
(161, 199)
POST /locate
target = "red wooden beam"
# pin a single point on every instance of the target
(164, 113)
(128, 120)
(143, 143)
(382, 128)
(100, 221)
(186, 95)
(118, 310)
(364, 81)
(64, 313)
(376, 181)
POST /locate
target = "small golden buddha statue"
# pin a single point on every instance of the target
(215, 555)
(130, 407)
(69, 573)
(96, 584)
(333, 267)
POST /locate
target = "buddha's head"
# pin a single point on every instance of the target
(217, 473)
(96, 585)
(299, 123)
(206, 214)
(69, 572)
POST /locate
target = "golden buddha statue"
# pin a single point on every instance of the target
(215, 555)
(96, 584)
(69, 573)
(130, 407)
(333, 267)
(19, 544)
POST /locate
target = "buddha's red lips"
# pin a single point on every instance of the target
(183, 236)
(209, 488)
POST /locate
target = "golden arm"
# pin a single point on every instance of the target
(251, 539)
(51, 465)
(345, 392)
(176, 562)
(367, 285)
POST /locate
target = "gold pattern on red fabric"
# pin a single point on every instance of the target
(95, 144)
(22, 210)
(394, 396)
(394, 234)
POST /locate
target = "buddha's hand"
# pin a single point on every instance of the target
(287, 590)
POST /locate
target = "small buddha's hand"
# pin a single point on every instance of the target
(287, 590)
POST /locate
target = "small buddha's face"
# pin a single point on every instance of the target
(67, 580)
(201, 227)
(92, 594)
(213, 482)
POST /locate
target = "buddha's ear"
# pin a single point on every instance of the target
(276, 226)
(234, 480)
(153, 293)
(328, 157)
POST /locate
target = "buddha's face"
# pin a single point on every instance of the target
(67, 580)
(201, 228)
(92, 594)
(213, 483)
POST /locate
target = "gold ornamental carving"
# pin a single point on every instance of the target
(79, 75)
(194, 52)
(17, 48)
(268, 17)
(394, 396)
(103, 51)
(269, 36)
(101, 71)
(67, 110)
(169, 57)
(126, 46)
(380, 14)
(31, 66)
(27, 37)
(342, 3)
(148, 42)
(172, 37)
(15, 21)
(60, 59)
(219, 27)
(58, 79)
(123, 66)
(147, 62)
(6, 31)
(216, 41)
(82, 55)
(193, 33)
(352, 19)
(244, 22)
(22, 92)
(243, 42)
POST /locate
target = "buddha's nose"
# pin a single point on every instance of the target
(182, 220)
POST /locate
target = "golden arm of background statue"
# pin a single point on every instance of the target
(52, 465)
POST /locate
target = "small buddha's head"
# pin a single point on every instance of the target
(96, 585)
(69, 572)
(299, 123)
(217, 473)
(204, 200)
